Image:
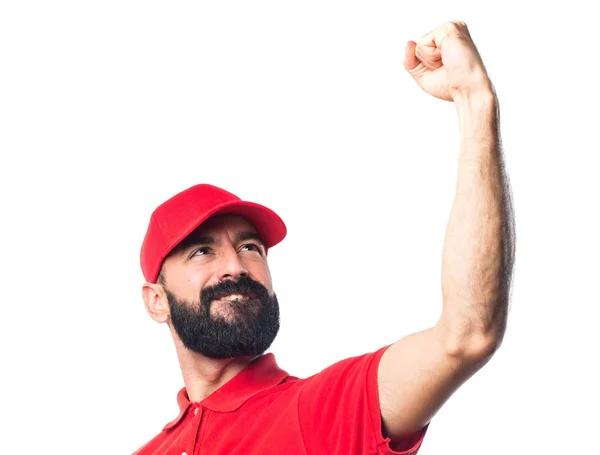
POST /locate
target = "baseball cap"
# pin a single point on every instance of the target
(173, 220)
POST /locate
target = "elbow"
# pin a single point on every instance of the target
(473, 347)
(482, 347)
(473, 339)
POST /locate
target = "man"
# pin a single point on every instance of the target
(204, 258)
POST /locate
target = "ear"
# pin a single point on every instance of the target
(156, 302)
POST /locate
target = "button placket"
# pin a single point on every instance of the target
(198, 413)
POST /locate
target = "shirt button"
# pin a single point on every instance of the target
(195, 413)
(183, 453)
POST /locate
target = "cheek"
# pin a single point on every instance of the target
(188, 282)
(198, 277)
(259, 271)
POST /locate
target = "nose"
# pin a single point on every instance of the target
(231, 267)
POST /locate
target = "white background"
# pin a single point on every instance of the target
(109, 108)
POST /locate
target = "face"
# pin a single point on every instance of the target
(219, 291)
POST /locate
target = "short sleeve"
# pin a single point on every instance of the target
(338, 411)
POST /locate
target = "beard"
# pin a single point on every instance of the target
(248, 327)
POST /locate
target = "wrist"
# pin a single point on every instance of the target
(477, 87)
(481, 98)
(478, 120)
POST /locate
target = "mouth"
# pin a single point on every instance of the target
(235, 297)
(230, 307)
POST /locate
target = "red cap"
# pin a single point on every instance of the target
(176, 218)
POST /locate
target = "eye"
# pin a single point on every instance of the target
(251, 247)
(201, 251)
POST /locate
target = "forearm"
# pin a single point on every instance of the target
(478, 249)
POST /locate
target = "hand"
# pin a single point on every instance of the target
(446, 64)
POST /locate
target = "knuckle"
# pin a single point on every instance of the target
(457, 26)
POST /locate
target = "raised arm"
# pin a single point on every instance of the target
(418, 373)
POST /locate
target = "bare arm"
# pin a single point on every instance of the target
(418, 373)
(478, 252)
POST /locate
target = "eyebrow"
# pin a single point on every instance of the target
(193, 241)
(201, 240)
(249, 235)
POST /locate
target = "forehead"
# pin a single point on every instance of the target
(213, 228)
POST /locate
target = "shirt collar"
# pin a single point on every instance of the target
(260, 374)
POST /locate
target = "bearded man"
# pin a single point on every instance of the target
(204, 258)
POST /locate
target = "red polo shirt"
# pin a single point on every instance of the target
(263, 411)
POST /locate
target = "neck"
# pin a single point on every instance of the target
(202, 375)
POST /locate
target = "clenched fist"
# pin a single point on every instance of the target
(446, 64)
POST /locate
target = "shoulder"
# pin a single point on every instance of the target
(360, 370)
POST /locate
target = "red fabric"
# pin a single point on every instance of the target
(176, 218)
(265, 411)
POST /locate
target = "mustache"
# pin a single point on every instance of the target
(243, 285)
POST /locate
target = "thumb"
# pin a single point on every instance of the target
(410, 59)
